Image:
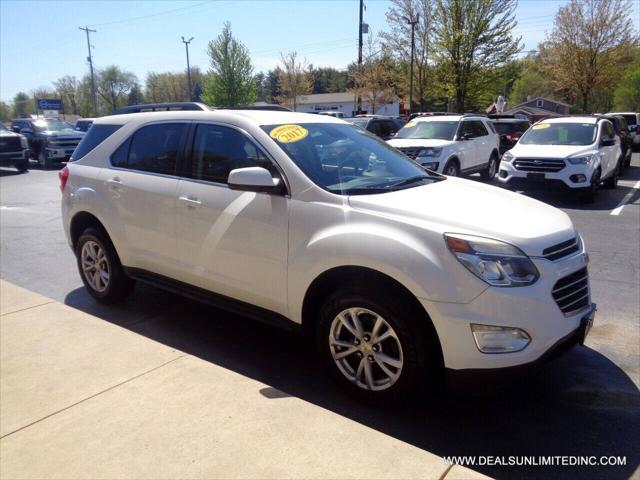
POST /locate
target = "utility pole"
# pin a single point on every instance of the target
(359, 99)
(93, 80)
(186, 47)
(413, 47)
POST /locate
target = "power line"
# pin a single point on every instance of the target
(141, 17)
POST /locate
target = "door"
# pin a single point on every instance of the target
(142, 186)
(231, 242)
(609, 155)
(468, 147)
(484, 143)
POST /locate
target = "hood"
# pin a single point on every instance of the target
(417, 142)
(463, 206)
(549, 151)
(63, 133)
(6, 133)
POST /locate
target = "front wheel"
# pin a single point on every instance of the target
(44, 161)
(591, 192)
(372, 349)
(451, 169)
(22, 165)
(612, 182)
(100, 267)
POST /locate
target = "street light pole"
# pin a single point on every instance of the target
(87, 30)
(413, 44)
(359, 99)
(186, 47)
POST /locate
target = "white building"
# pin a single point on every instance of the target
(341, 102)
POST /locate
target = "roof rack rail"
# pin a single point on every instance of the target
(161, 107)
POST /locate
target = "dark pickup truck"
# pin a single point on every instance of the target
(50, 140)
(14, 150)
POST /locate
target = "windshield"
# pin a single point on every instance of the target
(510, 127)
(346, 160)
(3, 128)
(53, 125)
(360, 122)
(560, 134)
(429, 130)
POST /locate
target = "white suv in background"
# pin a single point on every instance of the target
(451, 144)
(633, 122)
(305, 221)
(578, 153)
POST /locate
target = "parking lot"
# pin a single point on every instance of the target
(585, 403)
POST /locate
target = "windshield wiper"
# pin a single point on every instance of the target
(415, 179)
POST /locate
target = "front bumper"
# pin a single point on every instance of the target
(531, 309)
(10, 158)
(509, 175)
(59, 153)
(473, 380)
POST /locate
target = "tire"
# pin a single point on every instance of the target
(22, 165)
(590, 193)
(612, 182)
(404, 347)
(451, 169)
(492, 168)
(95, 250)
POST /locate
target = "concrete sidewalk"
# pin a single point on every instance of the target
(83, 398)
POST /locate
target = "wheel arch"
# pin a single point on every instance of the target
(80, 222)
(348, 275)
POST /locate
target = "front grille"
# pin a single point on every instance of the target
(571, 293)
(64, 142)
(561, 249)
(539, 164)
(10, 144)
(411, 152)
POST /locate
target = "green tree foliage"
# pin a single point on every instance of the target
(626, 96)
(230, 82)
(67, 88)
(397, 43)
(22, 105)
(171, 86)
(113, 86)
(589, 48)
(135, 95)
(5, 112)
(328, 80)
(473, 37)
(530, 83)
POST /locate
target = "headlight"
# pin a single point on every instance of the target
(431, 165)
(507, 157)
(430, 152)
(24, 143)
(497, 263)
(584, 159)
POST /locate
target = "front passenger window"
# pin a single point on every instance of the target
(217, 150)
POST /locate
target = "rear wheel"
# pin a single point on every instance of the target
(373, 349)
(100, 267)
(492, 168)
(451, 169)
(22, 165)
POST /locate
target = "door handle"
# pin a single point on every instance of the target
(114, 181)
(190, 201)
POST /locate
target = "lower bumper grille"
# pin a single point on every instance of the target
(539, 164)
(571, 293)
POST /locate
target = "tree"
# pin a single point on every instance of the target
(230, 82)
(22, 105)
(135, 96)
(294, 79)
(67, 88)
(328, 80)
(397, 42)
(5, 112)
(589, 47)
(626, 96)
(113, 87)
(531, 83)
(473, 37)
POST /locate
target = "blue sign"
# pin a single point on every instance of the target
(49, 104)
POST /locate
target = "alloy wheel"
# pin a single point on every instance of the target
(95, 266)
(366, 349)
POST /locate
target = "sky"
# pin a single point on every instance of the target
(40, 40)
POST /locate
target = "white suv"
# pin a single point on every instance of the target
(578, 153)
(308, 222)
(451, 144)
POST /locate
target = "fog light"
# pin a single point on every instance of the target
(503, 174)
(578, 178)
(431, 165)
(495, 339)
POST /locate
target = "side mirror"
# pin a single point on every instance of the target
(608, 142)
(466, 136)
(255, 179)
(15, 129)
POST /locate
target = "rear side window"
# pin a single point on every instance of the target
(631, 119)
(217, 150)
(94, 137)
(154, 148)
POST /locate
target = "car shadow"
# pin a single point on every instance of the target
(582, 404)
(10, 172)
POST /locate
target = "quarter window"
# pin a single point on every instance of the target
(154, 148)
(95, 136)
(217, 150)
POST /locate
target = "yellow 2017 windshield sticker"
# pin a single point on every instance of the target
(289, 133)
(541, 126)
(411, 123)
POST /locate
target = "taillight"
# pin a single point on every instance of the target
(63, 175)
(638, 129)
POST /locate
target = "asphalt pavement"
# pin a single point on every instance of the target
(585, 403)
